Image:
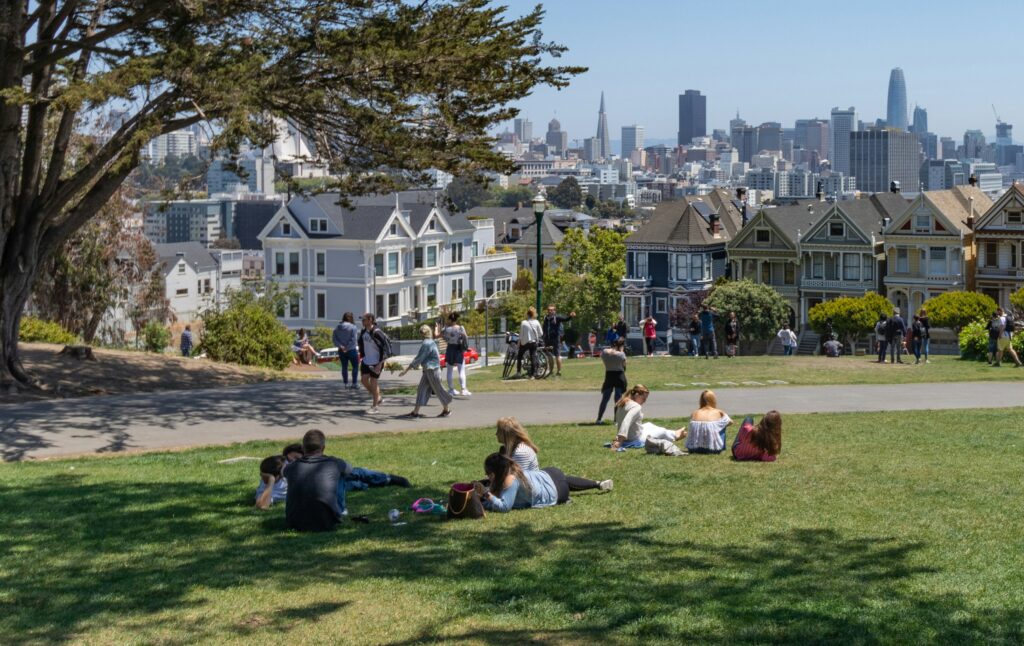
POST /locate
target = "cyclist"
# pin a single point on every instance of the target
(553, 333)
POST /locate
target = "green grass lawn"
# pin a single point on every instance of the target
(667, 373)
(898, 528)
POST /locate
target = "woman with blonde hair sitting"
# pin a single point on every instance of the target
(429, 358)
(633, 433)
(707, 426)
(516, 445)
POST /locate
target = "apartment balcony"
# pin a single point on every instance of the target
(636, 283)
(820, 283)
(495, 257)
(483, 223)
(997, 272)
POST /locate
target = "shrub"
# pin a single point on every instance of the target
(35, 330)
(247, 332)
(320, 337)
(973, 341)
(760, 309)
(852, 318)
(957, 309)
(155, 337)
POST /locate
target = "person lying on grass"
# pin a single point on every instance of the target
(707, 426)
(762, 442)
(516, 444)
(273, 486)
(316, 486)
(633, 433)
(512, 488)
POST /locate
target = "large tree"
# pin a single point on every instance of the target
(382, 88)
(760, 309)
(586, 276)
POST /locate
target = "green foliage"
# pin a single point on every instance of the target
(156, 337)
(1017, 300)
(973, 340)
(567, 194)
(513, 306)
(466, 193)
(852, 318)
(524, 281)
(516, 196)
(586, 277)
(320, 337)
(247, 332)
(35, 330)
(760, 309)
(956, 310)
(611, 209)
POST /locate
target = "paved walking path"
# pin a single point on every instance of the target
(285, 410)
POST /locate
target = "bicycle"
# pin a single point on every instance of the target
(544, 360)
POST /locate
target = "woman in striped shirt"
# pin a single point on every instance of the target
(517, 446)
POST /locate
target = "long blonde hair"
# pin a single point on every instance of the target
(631, 394)
(708, 399)
(511, 434)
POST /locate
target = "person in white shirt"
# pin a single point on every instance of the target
(273, 485)
(530, 333)
(632, 432)
(788, 339)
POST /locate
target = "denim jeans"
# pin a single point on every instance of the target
(917, 343)
(881, 350)
(359, 480)
(709, 344)
(925, 347)
(350, 356)
(787, 350)
(694, 345)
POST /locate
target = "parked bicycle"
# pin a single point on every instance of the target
(545, 360)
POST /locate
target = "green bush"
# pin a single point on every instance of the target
(973, 341)
(155, 337)
(247, 332)
(320, 337)
(35, 330)
(956, 310)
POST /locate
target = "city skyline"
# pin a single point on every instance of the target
(642, 85)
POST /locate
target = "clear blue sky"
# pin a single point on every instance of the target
(780, 61)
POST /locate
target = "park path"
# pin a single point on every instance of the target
(285, 410)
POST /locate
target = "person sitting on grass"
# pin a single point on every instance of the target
(512, 488)
(707, 426)
(759, 443)
(833, 348)
(316, 499)
(273, 486)
(516, 444)
(633, 433)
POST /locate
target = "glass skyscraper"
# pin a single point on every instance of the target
(693, 117)
(896, 115)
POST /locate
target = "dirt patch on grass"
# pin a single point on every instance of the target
(116, 372)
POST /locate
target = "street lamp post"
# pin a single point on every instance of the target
(539, 204)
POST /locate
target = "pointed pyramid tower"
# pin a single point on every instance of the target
(602, 132)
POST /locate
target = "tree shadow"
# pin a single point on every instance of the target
(76, 556)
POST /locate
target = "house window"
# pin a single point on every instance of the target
(696, 266)
(431, 226)
(392, 305)
(817, 266)
(641, 264)
(457, 288)
(922, 222)
(867, 264)
(278, 263)
(321, 263)
(378, 306)
(631, 309)
(763, 236)
(317, 225)
(851, 266)
(432, 256)
(682, 266)
(415, 298)
(293, 306)
(321, 305)
(514, 231)
(1013, 255)
(393, 229)
(902, 260)
(181, 292)
(393, 263)
(836, 230)
(417, 258)
(789, 273)
(660, 305)
(937, 261)
(1013, 217)
(286, 229)
(181, 267)
(766, 273)
(991, 254)
(456, 252)
(488, 288)
(293, 263)
(378, 264)
(432, 295)
(476, 249)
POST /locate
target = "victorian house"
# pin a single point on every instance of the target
(999, 239)
(929, 246)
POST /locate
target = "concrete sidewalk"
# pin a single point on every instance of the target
(285, 410)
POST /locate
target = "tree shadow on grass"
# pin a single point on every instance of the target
(76, 557)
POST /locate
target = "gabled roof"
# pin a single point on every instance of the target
(503, 216)
(790, 220)
(952, 205)
(1014, 194)
(366, 222)
(687, 222)
(867, 213)
(193, 253)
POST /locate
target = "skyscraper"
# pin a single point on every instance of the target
(524, 130)
(896, 114)
(591, 149)
(693, 117)
(883, 155)
(632, 139)
(604, 143)
(556, 138)
(745, 141)
(974, 144)
(920, 125)
(844, 122)
(769, 137)
(812, 134)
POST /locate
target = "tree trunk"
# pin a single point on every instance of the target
(15, 287)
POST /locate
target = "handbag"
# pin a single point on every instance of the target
(464, 501)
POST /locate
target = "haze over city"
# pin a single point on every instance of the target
(778, 62)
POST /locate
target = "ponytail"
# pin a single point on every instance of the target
(631, 394)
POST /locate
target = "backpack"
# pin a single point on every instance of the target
(383, 344)
(1010, 323)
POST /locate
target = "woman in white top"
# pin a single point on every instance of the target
(454, 355)
(633, 433)
(707, 426)
(530, 333)
(516, 444)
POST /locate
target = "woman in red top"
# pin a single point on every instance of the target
(650, 334)
(762, 442)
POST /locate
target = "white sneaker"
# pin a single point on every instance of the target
(372, 410)
(452, 392)
(606, 485)
(466, 393)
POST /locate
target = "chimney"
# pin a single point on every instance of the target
(894, 187)
(970, 218)
(972, 180)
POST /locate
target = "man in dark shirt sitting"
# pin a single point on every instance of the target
(317, 484)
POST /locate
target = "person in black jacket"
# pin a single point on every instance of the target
(732, 335)
(554, 331)
(895, 333)
(374, 348)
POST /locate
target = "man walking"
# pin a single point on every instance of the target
(880, 327)
(554, 331)
(895, 332)
(374, 348)
(1004, 343)
(344, 339)
(186, 341)
(621, 328)
(708, 342)
(788, 340)
(694, 336)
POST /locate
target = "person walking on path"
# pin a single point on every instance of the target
(374, 348)
(429, 359)
(732, 335)
(186, 341)
(650, 327)
(1004, 343)
(554, 332)
(788, 340)
(455, 354)
(926, 333)
(694, 336)
(708, 342)
(916, 339)
(895, 332)
(614, 360)
(344, 339)
(880, 327)
(530, 333)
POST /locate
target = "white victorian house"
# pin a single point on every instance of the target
(399, 261)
